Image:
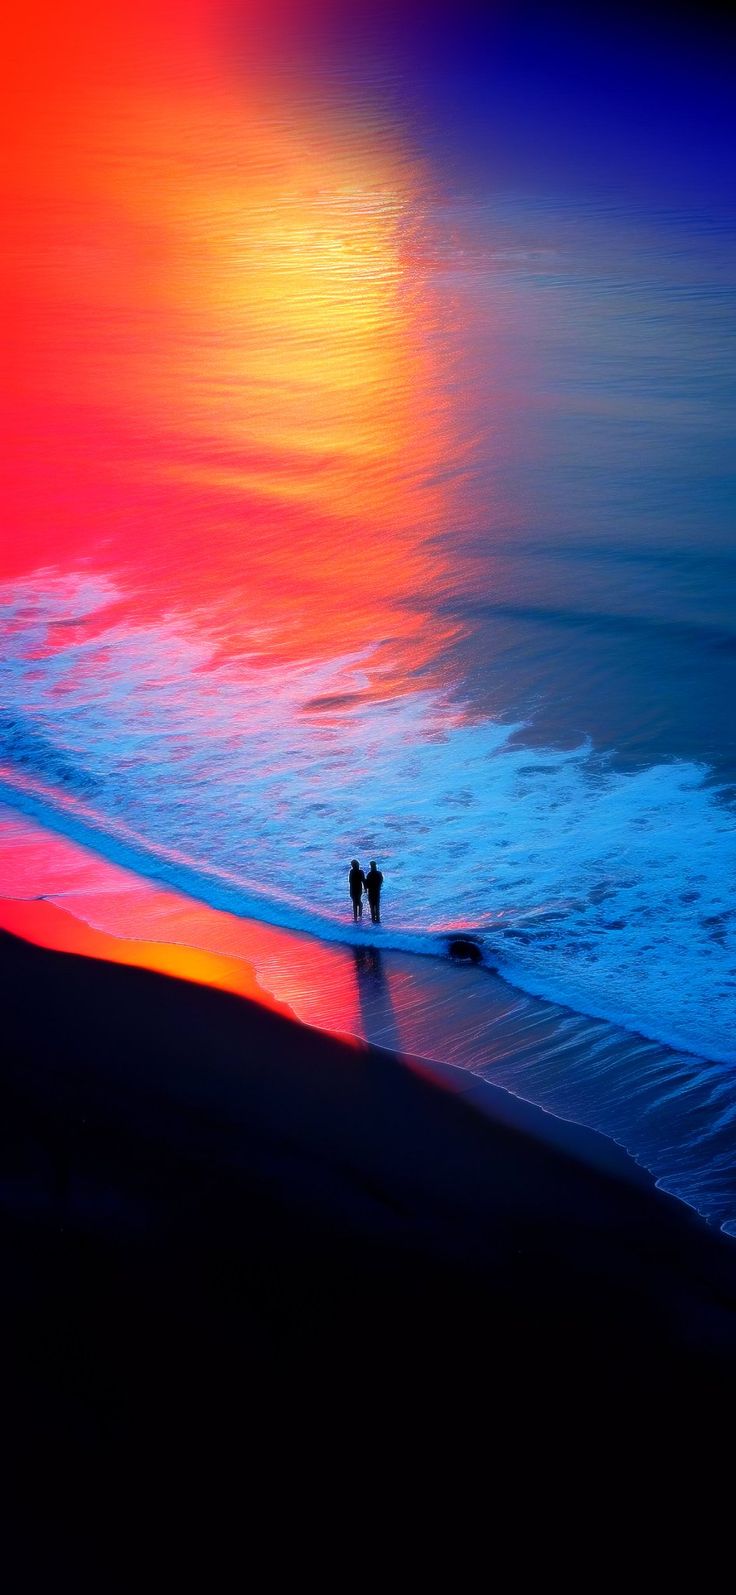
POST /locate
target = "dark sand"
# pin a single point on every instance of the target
(226, 1236)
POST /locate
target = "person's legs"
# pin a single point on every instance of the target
(356, 907)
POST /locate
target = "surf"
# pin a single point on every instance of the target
(492, 944)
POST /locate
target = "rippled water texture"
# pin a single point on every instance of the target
(372, 488)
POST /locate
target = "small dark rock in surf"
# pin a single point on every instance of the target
(465, 950)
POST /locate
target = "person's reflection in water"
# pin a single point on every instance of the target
(356, 883)
(373, 884)
(368, 962)
(377, 1017)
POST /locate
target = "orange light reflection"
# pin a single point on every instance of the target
(46, 925)
(228, 373)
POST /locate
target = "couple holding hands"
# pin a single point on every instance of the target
(371, 883)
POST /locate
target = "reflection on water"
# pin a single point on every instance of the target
(373, 984)
(47, 925)
(241, 346)
(673, 1113)
(364, 501)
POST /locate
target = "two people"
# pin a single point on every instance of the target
(371, 883)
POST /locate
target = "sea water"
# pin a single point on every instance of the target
(362, 508)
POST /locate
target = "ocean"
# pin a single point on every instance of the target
(365, 508)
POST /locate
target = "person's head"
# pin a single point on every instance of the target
(373, 864)
(354, 863)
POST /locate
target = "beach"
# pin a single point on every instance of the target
(211, 1211)
(369, 497)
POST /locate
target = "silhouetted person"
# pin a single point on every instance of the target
(356, 882)
(373, 884)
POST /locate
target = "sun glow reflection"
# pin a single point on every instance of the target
(226, 336)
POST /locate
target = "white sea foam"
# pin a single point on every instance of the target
(604, 890)
(674, 1113)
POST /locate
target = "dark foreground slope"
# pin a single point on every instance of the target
(223, 1235)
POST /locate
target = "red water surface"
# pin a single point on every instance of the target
(228, 386)
(58, 894)
(47, 925)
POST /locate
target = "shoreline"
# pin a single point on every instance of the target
(28, 799)
(571, 1081)
(373, 1146)
(227, 1236)
(55, 929)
